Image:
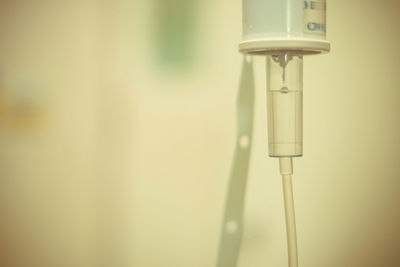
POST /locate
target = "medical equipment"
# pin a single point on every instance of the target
(285, 31)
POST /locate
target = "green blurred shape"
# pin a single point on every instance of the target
(176, 31)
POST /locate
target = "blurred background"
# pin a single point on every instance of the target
(117, 131)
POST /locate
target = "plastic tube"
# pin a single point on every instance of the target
(286, 169)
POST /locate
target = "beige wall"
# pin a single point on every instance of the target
(112, 155)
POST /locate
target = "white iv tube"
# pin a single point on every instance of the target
(285, 164)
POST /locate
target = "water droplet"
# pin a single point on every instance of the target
(284, 90)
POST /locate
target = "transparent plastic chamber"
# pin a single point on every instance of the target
(284, 18)
(284, 31)
(281, 25)
(285, 104)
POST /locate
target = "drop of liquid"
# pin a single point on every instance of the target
(284, 90)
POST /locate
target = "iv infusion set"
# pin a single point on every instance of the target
(283, 31)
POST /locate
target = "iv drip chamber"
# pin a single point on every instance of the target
(285, 105)
(284, 31)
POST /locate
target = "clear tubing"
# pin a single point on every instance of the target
(285, 104)
(285, 164)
